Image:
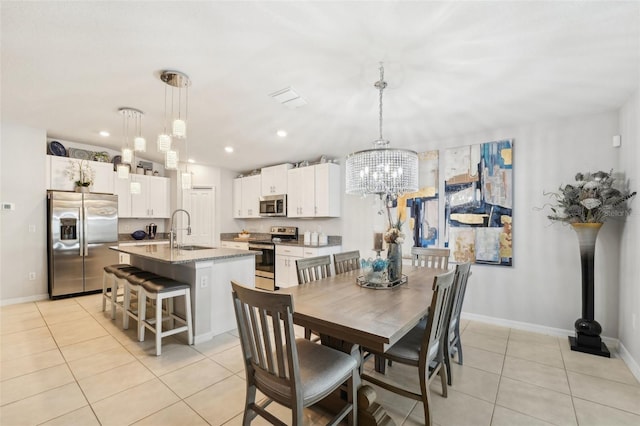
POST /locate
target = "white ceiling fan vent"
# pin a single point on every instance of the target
(289, 98)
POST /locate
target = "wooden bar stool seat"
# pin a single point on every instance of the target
(131, 306)
(160, 289)
(110, 287)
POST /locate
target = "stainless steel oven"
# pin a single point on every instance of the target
(266, 261)
(265, 264)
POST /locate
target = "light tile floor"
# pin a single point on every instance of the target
(66, 362)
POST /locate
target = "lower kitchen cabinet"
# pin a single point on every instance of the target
(286, 256)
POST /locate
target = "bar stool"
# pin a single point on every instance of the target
(160, 289)
(110, 287)
(132, 284)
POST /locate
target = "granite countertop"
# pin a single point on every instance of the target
(163, 253)
(127, 238)
(332, 240)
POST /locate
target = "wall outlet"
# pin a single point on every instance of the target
(32, 276)
(32, 228)
(204, 282)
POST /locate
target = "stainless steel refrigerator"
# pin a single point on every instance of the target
(81, 228)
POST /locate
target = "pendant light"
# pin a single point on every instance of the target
(178, 82)
(129, 115)
(381, 170)
(139, 143)
(164, 138)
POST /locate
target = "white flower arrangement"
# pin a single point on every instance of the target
(80, 172)
(592, 199)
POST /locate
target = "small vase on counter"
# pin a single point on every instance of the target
(82, 189)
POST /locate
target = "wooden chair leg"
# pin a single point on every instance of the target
(159, 326)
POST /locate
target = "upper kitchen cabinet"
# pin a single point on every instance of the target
(314, 191)
(151, 202)
(274, 179)
(246, 197)
(57, 178)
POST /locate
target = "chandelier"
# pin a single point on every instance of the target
(382, 170)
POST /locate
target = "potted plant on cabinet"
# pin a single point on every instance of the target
(81, 173)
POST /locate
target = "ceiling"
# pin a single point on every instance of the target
(452, 68)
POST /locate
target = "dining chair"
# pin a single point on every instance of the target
(293, 372)
(423, 347)
(463, 271)
(312, 269)
(427, 257)
(346, 261)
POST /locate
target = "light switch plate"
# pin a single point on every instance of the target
(616, 141)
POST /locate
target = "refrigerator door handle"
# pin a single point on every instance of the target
(85, 244)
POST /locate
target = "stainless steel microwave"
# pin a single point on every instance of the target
(273, 205)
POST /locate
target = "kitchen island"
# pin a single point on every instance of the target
(209, 271)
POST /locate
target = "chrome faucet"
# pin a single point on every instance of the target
(173, 231)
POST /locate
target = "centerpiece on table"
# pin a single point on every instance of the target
(586, 205)
(394, 239)
(81, 173)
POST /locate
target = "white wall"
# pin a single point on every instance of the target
(22, 182)
(629, 296)
(544, 286)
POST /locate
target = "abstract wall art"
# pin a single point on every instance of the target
(478, 202)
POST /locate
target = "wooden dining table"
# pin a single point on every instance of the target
(349, 317)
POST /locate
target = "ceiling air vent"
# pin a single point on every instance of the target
(289, 98)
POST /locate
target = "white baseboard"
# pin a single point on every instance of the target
(17, 300)
(628, 359)
(611, 342)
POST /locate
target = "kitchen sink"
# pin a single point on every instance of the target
(191, 248)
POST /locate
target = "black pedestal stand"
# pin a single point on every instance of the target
(587, 338)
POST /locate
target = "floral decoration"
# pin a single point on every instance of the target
(394, 233)
(80, 172)
(592, 199)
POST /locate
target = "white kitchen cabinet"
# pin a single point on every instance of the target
(239, 245)
(286, 256)
(328, 193)
(274, 179)
(58, 179)
(121, 189)
(301, 192)
(246, 197)
(237, 198)
(314, 191)
(151, 202)
(153, 199)
(286, 272)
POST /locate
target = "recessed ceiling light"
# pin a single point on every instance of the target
(282, 133)
(229, 149)
(191, 160)
(104, 133)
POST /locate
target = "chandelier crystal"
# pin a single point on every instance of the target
(381, 170)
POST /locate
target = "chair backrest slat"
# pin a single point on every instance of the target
(437, 258)
(346, 261)
(313, 268)
(463, 271)
(267, 351)
(438, 315)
